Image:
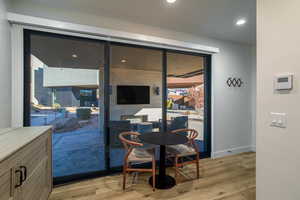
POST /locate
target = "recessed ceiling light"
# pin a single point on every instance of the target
(74, 56)
(171, 1)
(241, 22)
(123, 61)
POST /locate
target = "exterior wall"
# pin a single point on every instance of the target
(134, 77)
(278, 52)
(60, 77)
(70, 94)
(5, 67)
(67, 96)
(40, 94)
(61, 82)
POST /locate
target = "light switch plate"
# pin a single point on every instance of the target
(278, 120)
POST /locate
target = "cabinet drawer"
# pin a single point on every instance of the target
(36, 185)
(34, 153)
(6, 184)
(26, 164)
(7, 178)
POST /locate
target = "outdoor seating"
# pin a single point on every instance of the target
(144, 127)
(178, 123)
(134, 118)
(175, 123)
(115, 128)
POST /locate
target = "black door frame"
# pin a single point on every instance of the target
(107, 56)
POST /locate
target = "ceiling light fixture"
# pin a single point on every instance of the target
(74, 56)
(241, 22)
(171, 1)
(123, 61)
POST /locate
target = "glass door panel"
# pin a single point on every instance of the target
(136, 95)
(185, 94)
(65, 92)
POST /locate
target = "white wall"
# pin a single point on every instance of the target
(232, 121)
(5, 67)
(278, 152)
(232, 108)
(253, 97)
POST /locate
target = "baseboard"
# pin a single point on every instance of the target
(253, 148)
(232, 151)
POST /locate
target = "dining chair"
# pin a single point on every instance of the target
(188, 150)
(136, 153)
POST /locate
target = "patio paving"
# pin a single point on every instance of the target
(78, 151)
(81, 151)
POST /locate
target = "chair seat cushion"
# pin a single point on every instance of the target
(181, 150)
(140, 155)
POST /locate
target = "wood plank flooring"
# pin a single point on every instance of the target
(227, 178)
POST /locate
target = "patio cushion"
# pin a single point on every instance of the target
(144, 127)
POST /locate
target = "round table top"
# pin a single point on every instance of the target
(163, 138)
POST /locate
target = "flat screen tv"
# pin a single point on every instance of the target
(128, 94)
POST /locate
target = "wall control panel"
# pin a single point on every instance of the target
(283, 82)
(278, 120)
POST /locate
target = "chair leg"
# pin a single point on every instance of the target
(176, 167)
(153, 174)
(124, 176)
(198, 167)
(135, 177)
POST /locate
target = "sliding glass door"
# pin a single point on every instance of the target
(135, 98)
(186, 90)
(64, 89)
(90, 91)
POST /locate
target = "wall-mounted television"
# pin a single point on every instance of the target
(128, 94)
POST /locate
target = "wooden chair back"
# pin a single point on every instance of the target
(127, 141)
(192, 134)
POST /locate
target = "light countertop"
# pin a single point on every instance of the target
(12, 139)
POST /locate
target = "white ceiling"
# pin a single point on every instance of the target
(212, 18)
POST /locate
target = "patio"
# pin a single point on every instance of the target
(78, 151)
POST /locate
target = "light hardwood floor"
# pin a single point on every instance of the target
(228, 178)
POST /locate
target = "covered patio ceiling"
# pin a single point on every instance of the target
(64, 52)
(173, 82)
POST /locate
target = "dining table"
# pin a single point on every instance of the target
(163, 139)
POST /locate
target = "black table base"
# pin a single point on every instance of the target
(163, 181)
(166, 183)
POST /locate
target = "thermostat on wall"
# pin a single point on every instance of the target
(283, 82)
